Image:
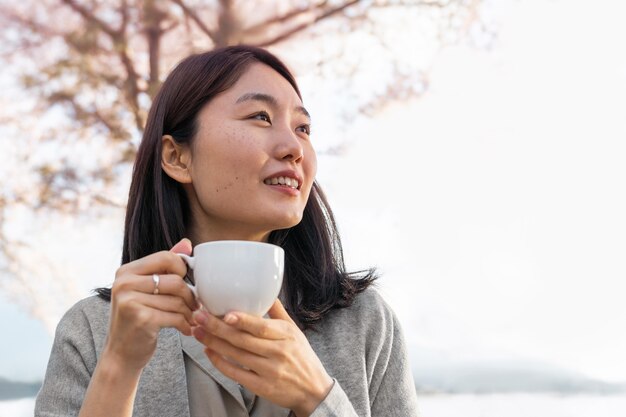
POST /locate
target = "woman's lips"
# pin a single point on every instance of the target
(284, 189)
(286, 177)
(283, 180)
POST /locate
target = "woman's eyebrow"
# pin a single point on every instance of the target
(302, 110)
(266, 98)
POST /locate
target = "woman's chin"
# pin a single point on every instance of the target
(286, 222)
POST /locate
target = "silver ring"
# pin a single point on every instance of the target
(156, 279)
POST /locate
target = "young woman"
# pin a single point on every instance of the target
(227, 155)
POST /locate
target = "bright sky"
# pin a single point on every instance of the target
(493, 205)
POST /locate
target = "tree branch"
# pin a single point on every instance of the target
(194, 16)
(305, 25)
(119, 40)
(131, 88)
(92, 18)
(39, 28)
(281, 19)
(124, 13)
(90, 116)
(153, 17)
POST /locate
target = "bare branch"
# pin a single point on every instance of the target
(194, 16)
(90, 116)
(124, 12)
(107, 202)
(441, 4)
(259, 27)
(131, 88)
(92, 18)
(171, 26)
(153, 17)
(229, 26)
(40, 28)
(291, 32)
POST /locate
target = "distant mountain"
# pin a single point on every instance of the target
(453, 378)
(11, 390)
(508, 377)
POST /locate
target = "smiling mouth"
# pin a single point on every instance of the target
(283, 181)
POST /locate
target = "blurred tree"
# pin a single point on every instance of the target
(80, 76)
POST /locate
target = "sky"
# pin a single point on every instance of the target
(493, 205)
(499, 198)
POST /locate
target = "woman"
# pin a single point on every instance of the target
(227, 155)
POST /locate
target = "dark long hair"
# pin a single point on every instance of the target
(158, 213)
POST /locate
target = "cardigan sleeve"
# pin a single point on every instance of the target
(391, 387)
(71, 363)
(335, 404)
(395, 395)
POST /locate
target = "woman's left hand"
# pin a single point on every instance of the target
(270, 357)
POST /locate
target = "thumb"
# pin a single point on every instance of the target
(277, 311)
(184, 246)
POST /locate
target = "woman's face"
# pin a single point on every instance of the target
(252, 162)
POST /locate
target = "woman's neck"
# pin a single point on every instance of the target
(200, 234)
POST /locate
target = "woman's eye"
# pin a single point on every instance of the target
(305, 129)
(263, 116)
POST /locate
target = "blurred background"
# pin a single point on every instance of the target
(472, 150)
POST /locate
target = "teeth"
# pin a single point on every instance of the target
(289, 182)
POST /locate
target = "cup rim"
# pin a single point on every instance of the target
(237, 242)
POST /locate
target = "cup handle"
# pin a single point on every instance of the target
(191, 263)
(193, 290)
(189, 260)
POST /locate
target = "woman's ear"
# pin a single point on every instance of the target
(175, 160)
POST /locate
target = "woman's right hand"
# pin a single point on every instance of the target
(137, 314)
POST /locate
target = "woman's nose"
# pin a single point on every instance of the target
(289, 147)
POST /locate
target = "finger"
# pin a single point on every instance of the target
(168, 303)
(165, 319)
(174, 320)
(256, 326)
(163, 262)
(242, 357)
(277, 311)
(170, 284)
(242, 339)
(247, 378)
(184, 246)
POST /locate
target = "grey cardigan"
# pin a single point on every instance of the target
(362, 347)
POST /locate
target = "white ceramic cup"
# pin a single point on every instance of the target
(236, 275)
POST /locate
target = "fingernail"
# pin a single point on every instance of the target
(230, 318)
(199, 333)
(199, 317)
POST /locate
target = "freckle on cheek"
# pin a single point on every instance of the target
(236, 136)
(231, 135)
